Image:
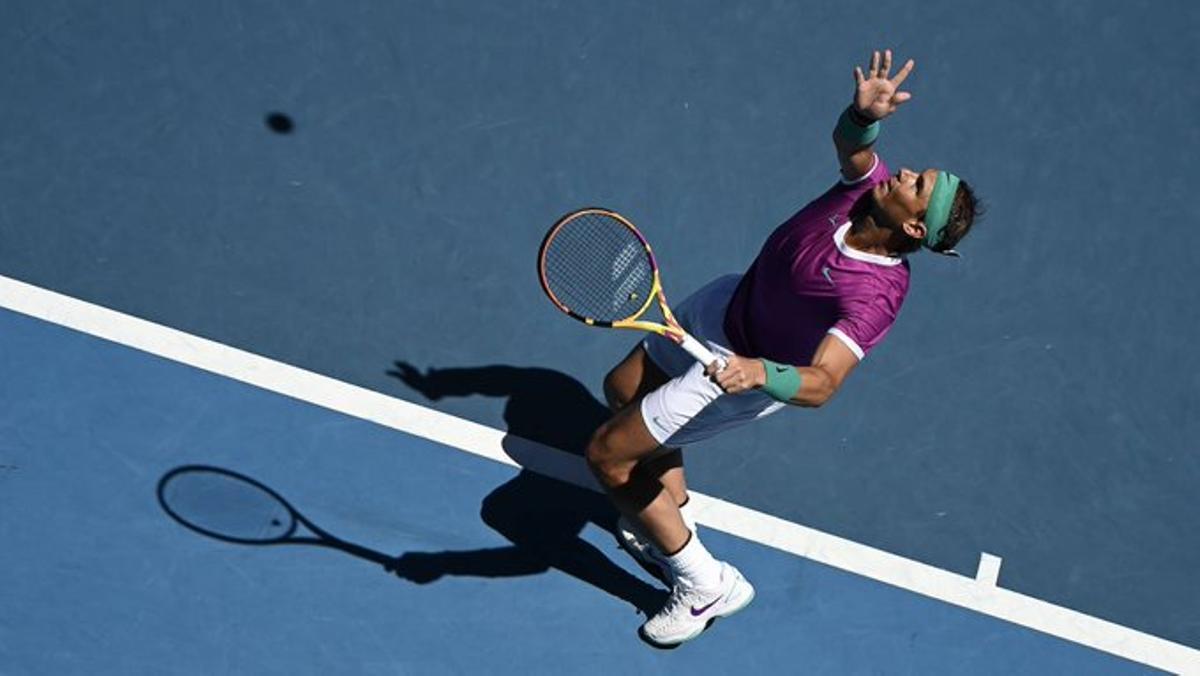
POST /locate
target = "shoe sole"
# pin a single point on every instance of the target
(725, 612)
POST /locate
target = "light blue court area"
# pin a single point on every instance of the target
(499, 569)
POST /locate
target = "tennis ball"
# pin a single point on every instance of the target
(280, 123)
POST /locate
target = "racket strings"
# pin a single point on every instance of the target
(598, 268)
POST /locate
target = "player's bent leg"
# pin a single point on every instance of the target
(703, 588)
(613, 455)
(630, 380)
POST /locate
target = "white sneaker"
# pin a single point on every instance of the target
(635, 541)
(689, 610)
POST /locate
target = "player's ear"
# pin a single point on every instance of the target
(914, 228)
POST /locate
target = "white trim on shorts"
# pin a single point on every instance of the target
(691, 407)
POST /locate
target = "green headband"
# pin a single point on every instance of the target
(938, 212)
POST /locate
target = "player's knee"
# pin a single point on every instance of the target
(603, 461)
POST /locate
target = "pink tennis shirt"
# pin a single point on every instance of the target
(807, 283)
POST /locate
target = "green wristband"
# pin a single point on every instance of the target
(783, 381)
(857, 135)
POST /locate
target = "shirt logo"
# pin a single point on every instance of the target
(825, 271)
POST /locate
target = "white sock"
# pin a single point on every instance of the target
(695, 566)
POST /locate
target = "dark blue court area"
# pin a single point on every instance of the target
(359, 189)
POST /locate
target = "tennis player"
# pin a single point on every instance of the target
(823, 291)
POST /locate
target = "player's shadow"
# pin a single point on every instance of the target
(541, 516)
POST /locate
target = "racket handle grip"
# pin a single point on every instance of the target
(701, 353)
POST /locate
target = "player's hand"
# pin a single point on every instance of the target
(878, 95)
(419, 567)
(425, 383)
(739, 375)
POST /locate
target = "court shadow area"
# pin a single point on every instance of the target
(550, 417)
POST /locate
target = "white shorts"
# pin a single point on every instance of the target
(691, 407)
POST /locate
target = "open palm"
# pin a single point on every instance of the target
(878, 95)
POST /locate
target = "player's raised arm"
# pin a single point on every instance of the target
(876, 96)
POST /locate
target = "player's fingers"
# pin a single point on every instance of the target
(901, 97)
(728, 378)
(874, 64)
(887, 63)
(903, 73)
(735, 385)
(858, 75)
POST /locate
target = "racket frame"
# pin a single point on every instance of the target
(670, 329)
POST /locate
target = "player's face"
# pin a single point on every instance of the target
(905, 196)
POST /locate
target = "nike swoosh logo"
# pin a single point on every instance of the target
(825, 271)
(697, 612)
(782, 369)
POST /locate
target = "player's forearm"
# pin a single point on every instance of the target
(798, 385)
(854, 137)
(808, 386)
(816, 387)
(850, 156)
(854, 131)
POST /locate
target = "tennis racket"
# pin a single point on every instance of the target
(597, 268)
(228, 506)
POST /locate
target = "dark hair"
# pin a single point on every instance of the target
(963, 212)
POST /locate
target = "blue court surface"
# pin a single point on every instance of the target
(498, 570)
(296, 241)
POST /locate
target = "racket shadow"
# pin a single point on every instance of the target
(225, 505)
(541, 516)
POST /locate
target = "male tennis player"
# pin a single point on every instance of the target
(825, 289)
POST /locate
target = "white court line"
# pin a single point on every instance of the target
(989, 569)
(486, 442)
